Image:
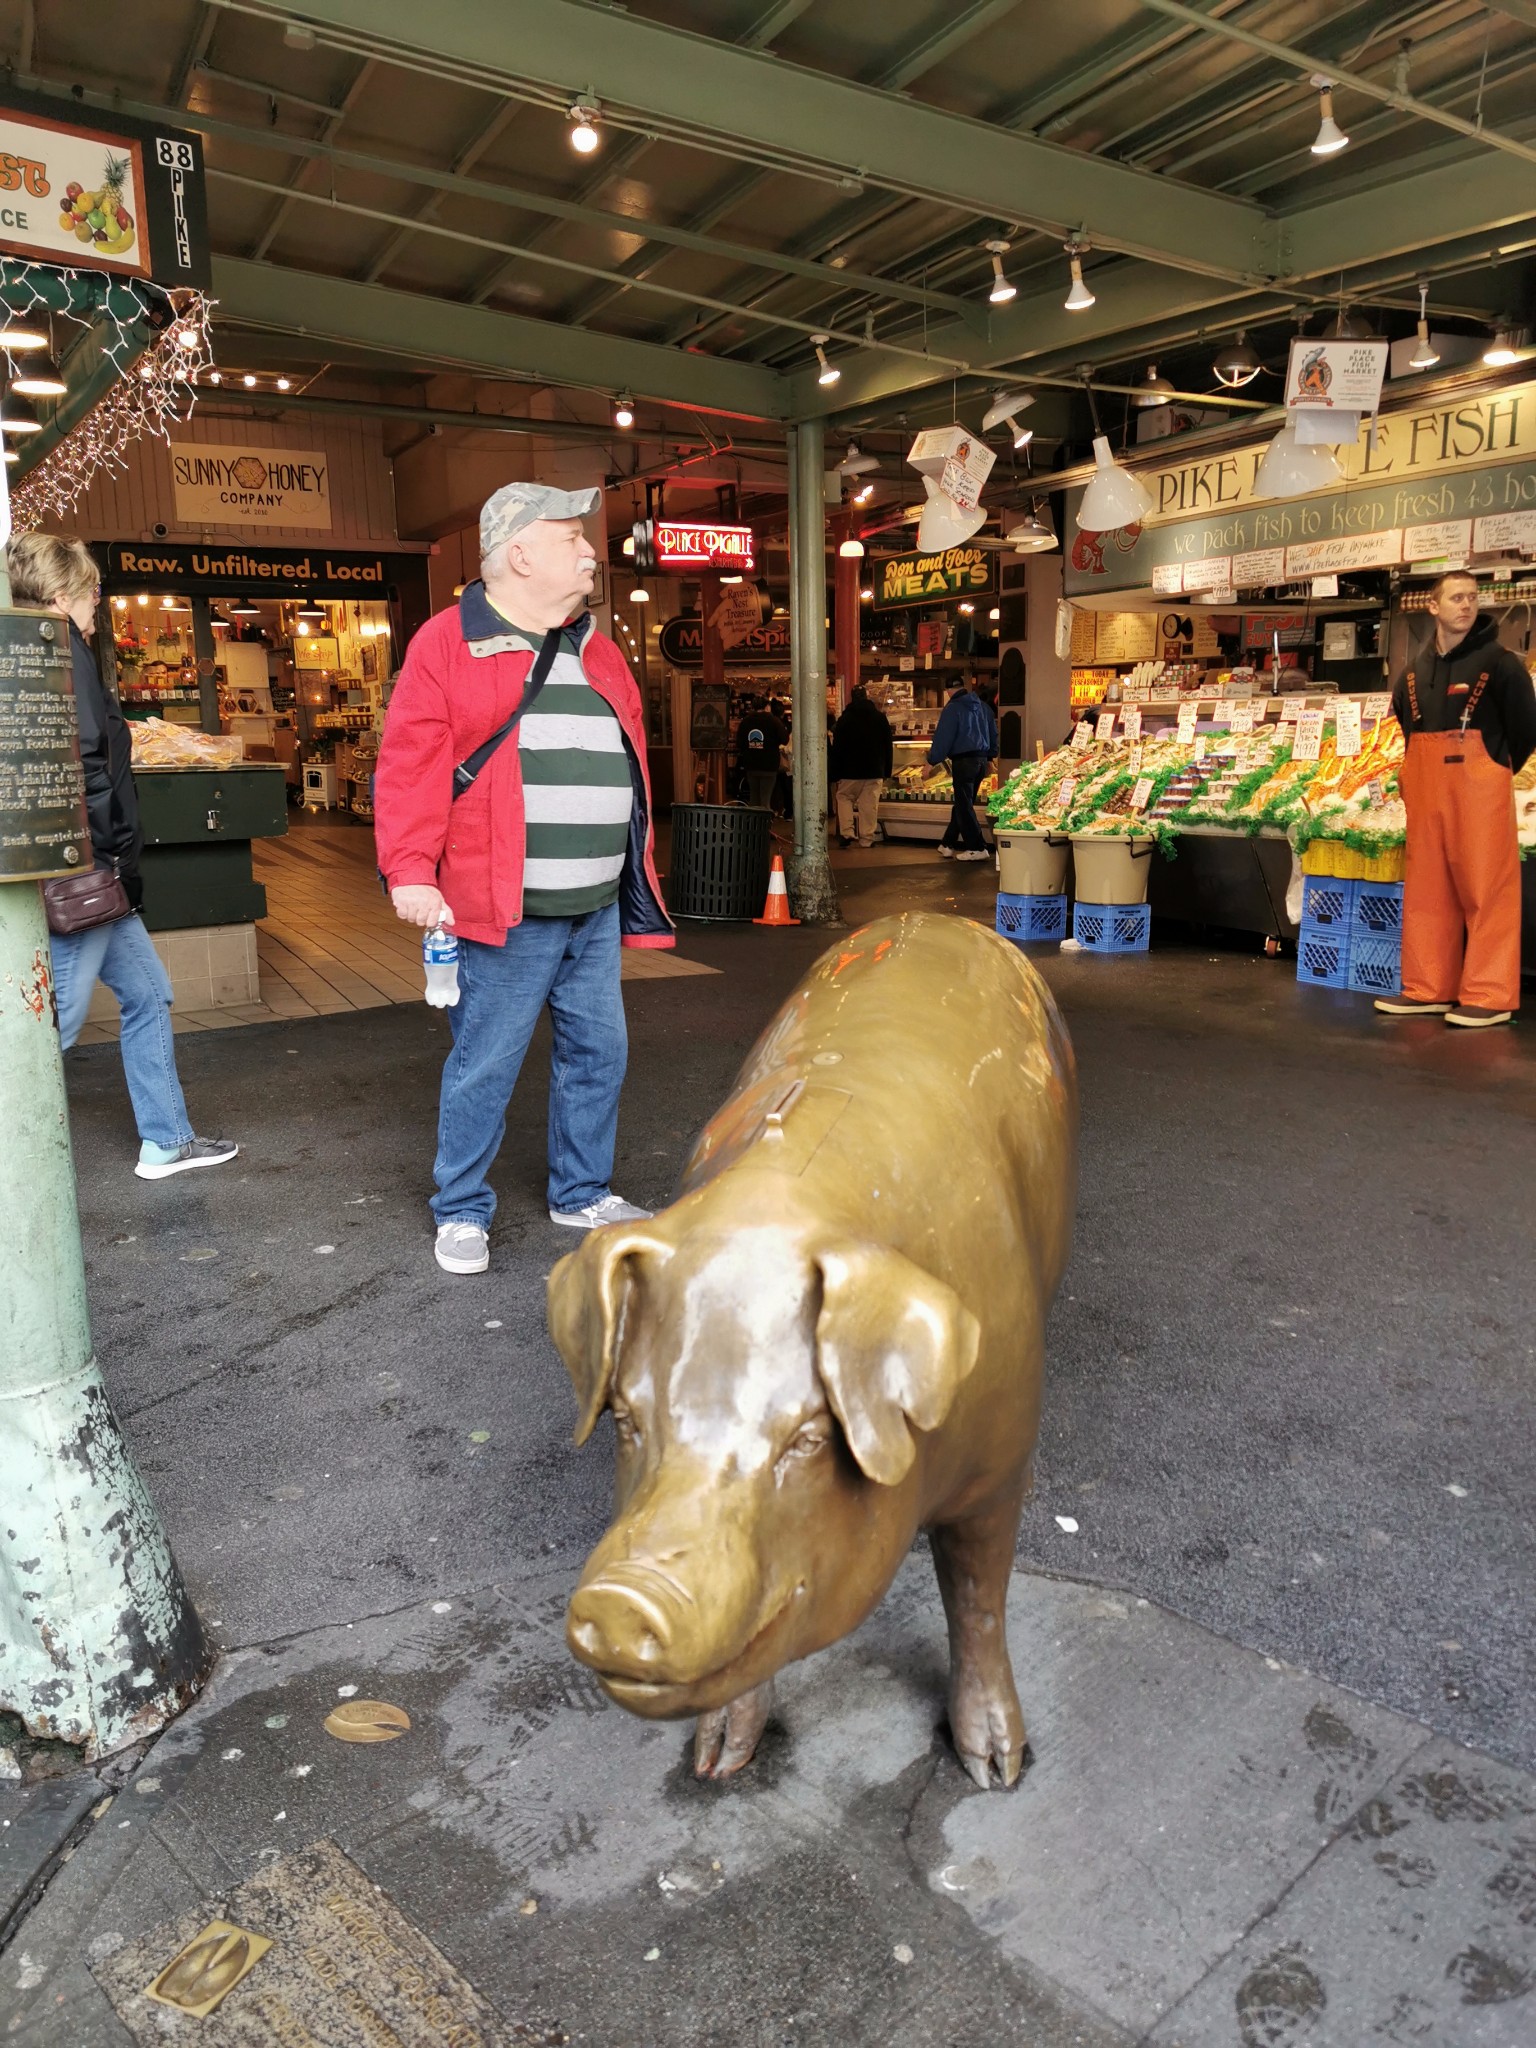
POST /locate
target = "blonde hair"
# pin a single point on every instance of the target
(45, 566)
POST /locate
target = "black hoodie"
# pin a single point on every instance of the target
(1444, 685)
(106, 754)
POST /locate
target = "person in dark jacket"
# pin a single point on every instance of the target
(862, 753)
(60, 575)
(759, 736)
(1468, 713)
(967, 740)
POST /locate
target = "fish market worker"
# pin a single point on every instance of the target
(1468, 712)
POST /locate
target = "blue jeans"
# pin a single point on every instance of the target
(123, 956)
(572, 964)
(963, 831)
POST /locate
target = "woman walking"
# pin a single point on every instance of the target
(60, 575)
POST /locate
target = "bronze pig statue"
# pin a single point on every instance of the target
(832, 1339)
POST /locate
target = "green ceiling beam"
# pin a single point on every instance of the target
(732, 94)
(1476, 196)
(436, 333)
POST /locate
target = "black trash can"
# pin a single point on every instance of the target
(720, 859)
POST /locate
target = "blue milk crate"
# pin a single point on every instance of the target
(1378, 910)
(1112, 927)
(1025, 919)
(1327, 903)
(1322, 955)
(1376, 963)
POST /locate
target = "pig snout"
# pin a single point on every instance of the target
(666, 1619)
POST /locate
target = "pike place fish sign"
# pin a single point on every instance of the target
(42, 791)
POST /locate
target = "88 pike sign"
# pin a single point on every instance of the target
(932, 579)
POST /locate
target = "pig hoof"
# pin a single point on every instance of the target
(999, 1767)
(728, 1738)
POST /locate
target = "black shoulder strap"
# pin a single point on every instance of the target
(465, 774)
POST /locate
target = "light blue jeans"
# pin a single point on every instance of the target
(123, 956)
(572, 964)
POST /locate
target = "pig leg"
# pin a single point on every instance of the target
(728, 1737)
(974, 1561)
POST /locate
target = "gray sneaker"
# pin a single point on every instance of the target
(611, 1209)
(462, 1248)
(196, 1152)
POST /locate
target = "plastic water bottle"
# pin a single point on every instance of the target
(440, 953)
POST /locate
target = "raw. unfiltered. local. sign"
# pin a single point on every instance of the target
(931, 579)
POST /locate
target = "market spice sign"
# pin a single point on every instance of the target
(110, 194)
(906, 580)
(682, 643)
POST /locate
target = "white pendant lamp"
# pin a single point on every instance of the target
(1079, 298)
(1033, 534)
(856, 462)
(1006, 406)
(851, 551)
(1237, 362)
(944, 524)
(1425, 354)
(1002, 291)
(1330, 136)
(826, 373)
(1114, 497)
(1504, 348)
(1152, 390)
(1290, 469)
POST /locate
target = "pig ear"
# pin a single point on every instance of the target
(588, 1295)
(893, 1345)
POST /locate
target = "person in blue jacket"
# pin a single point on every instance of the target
(967, 740)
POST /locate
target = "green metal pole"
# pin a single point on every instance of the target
(812, 893)
(99, 1643)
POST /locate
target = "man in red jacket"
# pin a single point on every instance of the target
(542, 862)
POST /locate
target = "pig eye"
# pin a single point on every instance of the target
(808, 1439)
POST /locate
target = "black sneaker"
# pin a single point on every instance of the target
(196, 1152)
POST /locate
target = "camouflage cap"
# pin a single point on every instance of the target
(507, 511)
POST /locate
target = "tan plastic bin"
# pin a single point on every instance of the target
(1111, 870)
(1032, 863)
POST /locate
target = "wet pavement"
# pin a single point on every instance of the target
(1278, 1679)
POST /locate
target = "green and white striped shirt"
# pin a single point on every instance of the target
(577, 794)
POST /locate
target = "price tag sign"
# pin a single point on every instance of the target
(1200, 746)
(1309, 736)
(1082, 733)
(1131, 722)
(1141, 795)
(1242, 716)
(1061, 796)
(1224, 710)
(1375, 707)
(1188, 716)
(1347, 726)
(1291, 708)
(1136, 758)
(1104, 728)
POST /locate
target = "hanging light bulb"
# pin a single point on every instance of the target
(829, 372)
(285, 383)
(624, 410)
(1079, 299)
(1349, 325)
(1425, 354)
(1291, 468)
(629, 545)
(1114, 498)
(1237, 362)
(1033, 534)
(1330, 136)
(1006, 407)
(18, 333)
(866, 597)
(215, 376)
(1002, 291)
(249, 381)
(852, 551)
(39, 378)
(583, 135)
(1504, 348)
(863, 497)
(18, 416)
(639, 595)
(856, 462)
(1152, 390)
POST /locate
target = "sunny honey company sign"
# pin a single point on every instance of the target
(236, 486)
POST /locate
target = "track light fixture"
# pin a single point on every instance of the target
(1237, 362)
(1330, 136)
(1079, 298)
(828, 372)
(1425, 354)
(1005, 407)
(1504, 348)
(623, 410)
(583, 118)
(1002, 291)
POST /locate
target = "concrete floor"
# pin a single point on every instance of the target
(1289, 1406)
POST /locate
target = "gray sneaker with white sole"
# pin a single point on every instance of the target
(462, 1248)
(611, 1209)
(196, 1152)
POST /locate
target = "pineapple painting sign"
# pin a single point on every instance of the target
(123, 197)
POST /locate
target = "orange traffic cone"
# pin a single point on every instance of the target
(776, 909)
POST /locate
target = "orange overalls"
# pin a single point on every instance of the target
(1461, 894)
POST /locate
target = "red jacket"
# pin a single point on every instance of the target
(462, 678)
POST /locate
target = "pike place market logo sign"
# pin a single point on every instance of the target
(932, 579)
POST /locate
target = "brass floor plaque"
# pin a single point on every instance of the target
(326, 1962)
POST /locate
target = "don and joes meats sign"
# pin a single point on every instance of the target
(220, 486)
(114, 194)
(931, 579)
